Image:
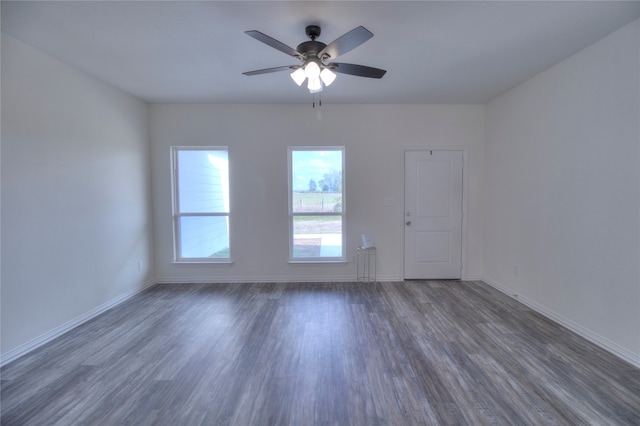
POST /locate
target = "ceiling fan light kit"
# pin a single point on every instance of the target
(327, 76)
(313, 55)
(316, 78)
(314, 85)
(299, 76)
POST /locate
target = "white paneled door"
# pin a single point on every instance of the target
(433, 214)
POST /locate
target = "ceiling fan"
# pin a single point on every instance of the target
(314, 56)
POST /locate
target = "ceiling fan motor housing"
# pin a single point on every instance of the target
(310, 48)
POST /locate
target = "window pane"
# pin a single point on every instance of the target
(316, 181)
(204, 236)
(317, 236)
(203, 181)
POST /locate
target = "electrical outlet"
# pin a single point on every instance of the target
(516, 268)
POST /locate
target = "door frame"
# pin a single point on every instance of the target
(465, 187)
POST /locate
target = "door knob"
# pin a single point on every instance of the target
(408, 223)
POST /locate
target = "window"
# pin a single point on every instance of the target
(201, 204)
(316, 204)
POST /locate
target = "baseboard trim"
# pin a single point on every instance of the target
(287, 279)
(263, 279)
(474, 277)
(69, 325)
(593, 337)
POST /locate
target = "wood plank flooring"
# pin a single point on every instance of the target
(402, 353)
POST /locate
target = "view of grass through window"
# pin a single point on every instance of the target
(316, 200)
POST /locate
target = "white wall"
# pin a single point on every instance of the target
(75, 196)
(258, 137)
(562, 187)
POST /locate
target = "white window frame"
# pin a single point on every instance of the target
(176, 214)
(292, 214)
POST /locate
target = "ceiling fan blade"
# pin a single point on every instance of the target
(345, 43)
(358, 70)
(269, 70)
(270, 41)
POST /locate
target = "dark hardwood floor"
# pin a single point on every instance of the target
(404, 353)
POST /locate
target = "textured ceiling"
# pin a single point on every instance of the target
(434, 52)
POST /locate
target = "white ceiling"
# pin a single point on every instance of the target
(434, 52)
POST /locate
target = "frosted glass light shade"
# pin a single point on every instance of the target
(327, 76)
(314, 85)
(312, 70)
(298, 76)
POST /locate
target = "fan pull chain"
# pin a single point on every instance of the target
(319, 100)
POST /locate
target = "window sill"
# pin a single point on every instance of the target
(226, 262)
(318, 262)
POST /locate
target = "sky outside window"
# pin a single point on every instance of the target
(313, 165)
